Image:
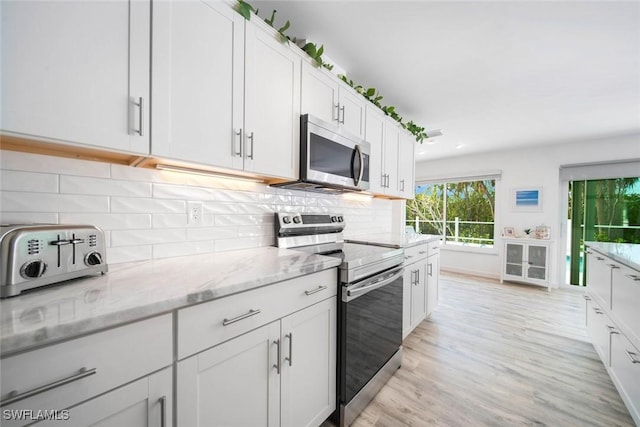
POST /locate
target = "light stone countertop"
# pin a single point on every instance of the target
(393, 240)
(627, 254)
(134, 291)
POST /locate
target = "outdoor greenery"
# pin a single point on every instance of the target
(472, 203)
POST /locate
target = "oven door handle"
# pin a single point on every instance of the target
(351, 294)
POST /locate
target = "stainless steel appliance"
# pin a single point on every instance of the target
(41, 254)
(369, 308)
(331, 160)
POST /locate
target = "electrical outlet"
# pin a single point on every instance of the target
(194, 213)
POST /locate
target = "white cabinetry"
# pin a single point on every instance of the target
(326, 97)
(77, 72)
(79, 369)
(390, 159)
(406, 165)
(226, 91)
(527, 261)
(433, 276)
(374, 135)
(414, 288)
(271, 363)
(613, 322)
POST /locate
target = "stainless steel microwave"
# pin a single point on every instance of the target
(331, 159)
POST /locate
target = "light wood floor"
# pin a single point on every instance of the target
(499, 355)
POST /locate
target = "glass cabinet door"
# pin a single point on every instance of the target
(537, 257)
(515, 258)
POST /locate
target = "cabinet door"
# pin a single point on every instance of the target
(418, 293)
(143, 403)
(309, 365)
(233, 384)
(599, 277)
(406, 165)
(391, 141)
(538, 262)
(77, 72)
(374, 135)
(514, 258)
(625, 372)
(352, 110)
(319, 94)
(272, 105)
(625, 301)
(433, 282)
(198, 80)
(598, 329)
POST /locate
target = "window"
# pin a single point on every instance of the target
(461, 212)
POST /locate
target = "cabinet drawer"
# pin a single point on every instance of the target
(61, 375)
(415, 253)
(208, 324)
(625, 371)
(625, 302)
(598, 324)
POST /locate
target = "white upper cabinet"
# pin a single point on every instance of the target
(406, 165)
(272, 104)
(390, 161)
(77, 72)
(374, 134)
(198, 63)
(326, 97)
(226, 91)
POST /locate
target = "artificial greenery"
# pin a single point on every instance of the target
(315, 52)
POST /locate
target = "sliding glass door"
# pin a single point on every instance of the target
(604, 210)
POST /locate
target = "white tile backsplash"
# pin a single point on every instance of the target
(144, 211)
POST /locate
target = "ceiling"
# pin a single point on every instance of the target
(491, 75)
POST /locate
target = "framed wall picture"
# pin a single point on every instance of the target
(509, 232)
(543, 232)
(526, 199)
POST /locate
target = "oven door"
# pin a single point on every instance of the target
(331, 156)
(370, 322)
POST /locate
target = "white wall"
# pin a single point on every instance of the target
(529, 167)
(144, 212)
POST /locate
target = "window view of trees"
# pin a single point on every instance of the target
(463, 214)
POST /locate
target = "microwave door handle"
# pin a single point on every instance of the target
(361, 169)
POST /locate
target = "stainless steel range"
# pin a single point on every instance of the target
(42, 254)
(369, 309)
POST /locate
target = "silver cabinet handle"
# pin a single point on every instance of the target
(422, 252)
(316, 290)
(341, 109)
(15, 395)
(597, 310)
(417, 276)
(163, 411)
(289, 359)
(613, 266)
(632, 277)
(430, 269)
(140, 105)
(587, 297)
(630, 354)
(239, 152)
(382, 180)
(599, 258)
(277, 364)
(402, 185)
(612, 330)
(250, 137)
(413, 277)
(251, 312)
(337, 108)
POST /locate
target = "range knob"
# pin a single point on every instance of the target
(33, 269)
(340, 219)
(297, 219)
(93, 258)
(334, 219)
(286, 219)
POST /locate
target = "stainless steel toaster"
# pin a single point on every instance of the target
(36, 255)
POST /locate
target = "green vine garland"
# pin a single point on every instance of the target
(315, 52)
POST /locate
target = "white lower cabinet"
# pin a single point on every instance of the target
(433, 277)
(414, 288)
(598, 324)
(280, 374)
(144, 403)
(625, 372)
(527, 261)
(266, 357)
(64, 375)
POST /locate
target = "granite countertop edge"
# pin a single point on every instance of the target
(33, 319)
